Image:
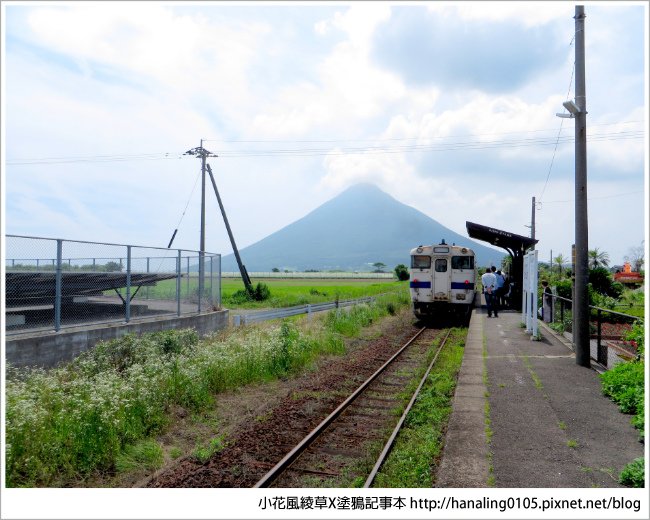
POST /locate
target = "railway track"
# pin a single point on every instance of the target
(359, 424)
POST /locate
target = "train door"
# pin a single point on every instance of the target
(440, 271)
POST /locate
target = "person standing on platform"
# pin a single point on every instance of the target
(501, 288)
(489, 282)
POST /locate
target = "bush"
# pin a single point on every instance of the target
(602, 301)
(261, 292)
(239, 297)
(633, 475)
(624, 384)
(602, 282)
(402, 272)
(564, 288)
(637, 335)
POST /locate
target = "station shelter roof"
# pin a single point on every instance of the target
(515, 244)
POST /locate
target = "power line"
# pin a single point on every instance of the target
(378, 148)
(390, 139)
(597, 198)
(465, 145)
(95, 159)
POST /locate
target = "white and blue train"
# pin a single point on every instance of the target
(442, 280)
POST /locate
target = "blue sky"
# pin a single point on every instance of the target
(450, 108)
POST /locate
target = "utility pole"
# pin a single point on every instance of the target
(532, 224)
(203, 154)
(202, 239)
(581, 301)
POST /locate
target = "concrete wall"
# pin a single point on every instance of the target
(49, 349)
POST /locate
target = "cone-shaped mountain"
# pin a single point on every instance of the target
(359, 227)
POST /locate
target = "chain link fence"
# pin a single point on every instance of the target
(55, 283)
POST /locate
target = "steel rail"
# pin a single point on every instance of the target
(389, 444)
(290, 457)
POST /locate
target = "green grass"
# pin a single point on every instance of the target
(175, 452)
(284, 292)
(65, 423)
(572, 443)
(410, 464)
(146, 453)
(536, 380)
(204, 452)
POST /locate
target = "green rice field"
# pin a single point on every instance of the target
(285, 292)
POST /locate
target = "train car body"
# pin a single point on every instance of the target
(442, 280)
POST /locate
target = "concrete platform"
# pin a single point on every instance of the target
(525, 415)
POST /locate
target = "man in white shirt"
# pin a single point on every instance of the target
(489, 281)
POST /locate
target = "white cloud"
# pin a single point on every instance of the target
(529, 14)
(149, 44)
(155, 77)
(349, 88)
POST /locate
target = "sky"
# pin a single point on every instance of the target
(448, 107)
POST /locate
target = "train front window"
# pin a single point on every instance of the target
(421, 262)
(441, 265)
(462, 262)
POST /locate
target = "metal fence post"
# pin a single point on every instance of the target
(178, 284)
(147, 273)
(187, 295)
(212, 282)
(57, 295)
(601, 349)
(201, 278)
(219, 280)
(128, 284)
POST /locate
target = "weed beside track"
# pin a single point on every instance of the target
(92, 415)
